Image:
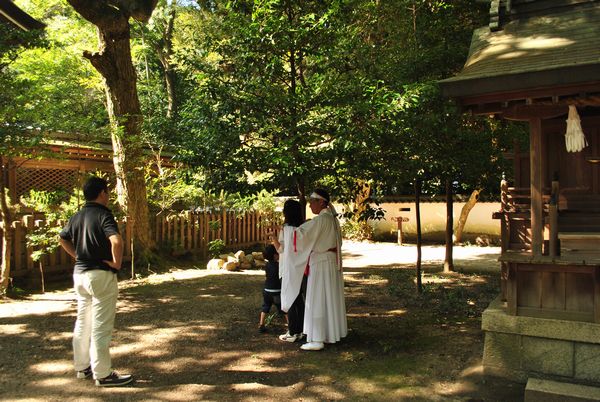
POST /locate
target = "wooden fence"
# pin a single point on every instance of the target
(176, 233)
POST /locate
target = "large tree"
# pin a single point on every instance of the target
(113, 61)
(13, 42)
(272, 97)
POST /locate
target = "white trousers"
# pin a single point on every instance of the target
(96, 292)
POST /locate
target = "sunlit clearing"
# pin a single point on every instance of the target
(53, 367)
(13, 329)
(180, 362)
(61, 336)
(378, 314)
(252, 364)
(474, 370)
(16, 309)
(55, 382)
(158, 339)
(141, 327)
(252, 386)
(183, 392)
(451, 388)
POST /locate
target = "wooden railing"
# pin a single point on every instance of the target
(515, 216)
(174, 232)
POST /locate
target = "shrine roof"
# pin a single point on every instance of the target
(558, 48)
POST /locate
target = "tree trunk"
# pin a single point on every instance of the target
(113, 62)
(7, 234)
(464, 214)
(448, 263)
(164, 56)
(418, 215)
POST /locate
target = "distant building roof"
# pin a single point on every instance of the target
(11, 14)
(540, 47)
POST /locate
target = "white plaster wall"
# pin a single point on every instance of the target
(433, 219)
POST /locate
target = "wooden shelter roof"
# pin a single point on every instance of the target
(551, 51)
(11, 14)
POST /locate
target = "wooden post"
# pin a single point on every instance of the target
(157, 228)
(254, 224)
(224, 226)
(238, 229)
(164, 227)
(553, 220)
(28, 223)
(18, 238)
(175, 237)
(181, 218)
(192, 230)
(51, 256)
(535, 157)
(505, 220)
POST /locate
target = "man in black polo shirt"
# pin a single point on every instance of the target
(92, 238)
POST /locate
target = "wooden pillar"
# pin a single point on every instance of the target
(535, 159)
(517, 165)
(553, 220)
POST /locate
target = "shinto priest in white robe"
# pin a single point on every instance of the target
(319, 242)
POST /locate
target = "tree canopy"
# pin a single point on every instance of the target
(282, 95)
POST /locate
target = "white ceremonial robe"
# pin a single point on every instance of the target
(325, 312)
(292, 263)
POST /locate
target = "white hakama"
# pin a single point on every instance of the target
(325, 312)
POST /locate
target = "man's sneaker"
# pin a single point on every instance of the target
(287, 337)
(85, 373)
(262, 329)
(114, 380)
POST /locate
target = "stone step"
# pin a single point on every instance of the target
(538, 390)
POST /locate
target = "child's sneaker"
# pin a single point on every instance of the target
(287, 337)
(262, 329)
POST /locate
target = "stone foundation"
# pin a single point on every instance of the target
(518, 347)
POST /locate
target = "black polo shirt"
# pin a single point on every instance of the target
(89, 230)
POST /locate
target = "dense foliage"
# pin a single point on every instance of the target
(280, 95)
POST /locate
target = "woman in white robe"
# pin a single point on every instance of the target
(325, 310)
(291, 271)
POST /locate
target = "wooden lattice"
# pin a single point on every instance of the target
(46, 180)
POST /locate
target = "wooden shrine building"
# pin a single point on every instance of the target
(63, 162)
(533, 62)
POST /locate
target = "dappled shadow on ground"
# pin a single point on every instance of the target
(196, 339)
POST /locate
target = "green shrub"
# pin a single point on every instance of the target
(216, 247)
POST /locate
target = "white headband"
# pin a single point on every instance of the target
(317, 197)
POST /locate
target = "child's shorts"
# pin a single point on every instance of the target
(269, 299)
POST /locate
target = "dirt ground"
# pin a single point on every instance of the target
(192, 335)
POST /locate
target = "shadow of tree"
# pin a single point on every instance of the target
(196, 339)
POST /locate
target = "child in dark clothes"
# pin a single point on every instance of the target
(272, 288)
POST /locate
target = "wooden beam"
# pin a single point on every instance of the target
(529, 111)
(535, 158)
(567, 93)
